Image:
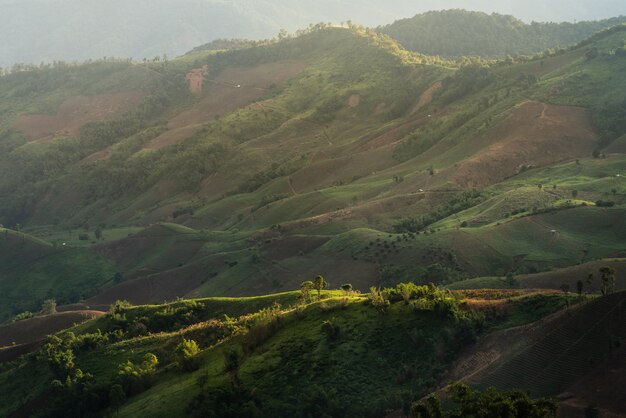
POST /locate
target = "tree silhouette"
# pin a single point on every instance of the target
(49, 307)
(607, 275)
(319, 284)
(305, 290)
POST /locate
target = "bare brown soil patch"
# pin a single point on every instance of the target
(532, 134)
(76, 112)
(155, 288)
(14, 352)
(326, 172)
(234, 88)
(35, 329)
(381, 108)
(391, 136)
(354, 100)
(427, 96)
(195, 78)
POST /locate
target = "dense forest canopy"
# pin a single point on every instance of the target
(454, 33)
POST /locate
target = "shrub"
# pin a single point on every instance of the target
(119, 306)
(467, 402)
(92, 341)
(605, 204)
(22, 316)
(378, 299)
(49, 307)
(136, 378)
(61, 363)
(331, 329)
(262, 326)
(187, 355)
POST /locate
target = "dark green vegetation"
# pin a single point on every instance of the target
(335, 152)
(340, 355)
(470, 403)
(455, 33)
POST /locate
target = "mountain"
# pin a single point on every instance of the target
(47, 30)
(146, 198)
(454, 33)
(336, 152)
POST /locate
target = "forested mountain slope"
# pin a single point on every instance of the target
(455, 33)
(335, 152)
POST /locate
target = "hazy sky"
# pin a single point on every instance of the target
(44, 30)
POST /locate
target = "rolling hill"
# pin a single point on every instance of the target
(455, 33)
(248, 171)
(321, 353)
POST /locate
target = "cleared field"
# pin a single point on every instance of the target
(35, 329)
(532, 135)
(75, 112)
(232, 89)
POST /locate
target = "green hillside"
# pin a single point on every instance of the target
(32, 270)
(456, 33)
(345, 355)
(335, 152)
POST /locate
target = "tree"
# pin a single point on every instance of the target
(49, 307)
(117, 397)
(511, 281)
(119, 306)
(319, 284)
(187, 355)
(579, 287)
(232, 361)
(607, 275)
(574, 193)
(347, 288)
(118, 277)
(98, 233)
(61, 363)
(378, 299)
(331, 329)
(135, 378)
(305, 291)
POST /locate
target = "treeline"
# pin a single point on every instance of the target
(456, 33)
